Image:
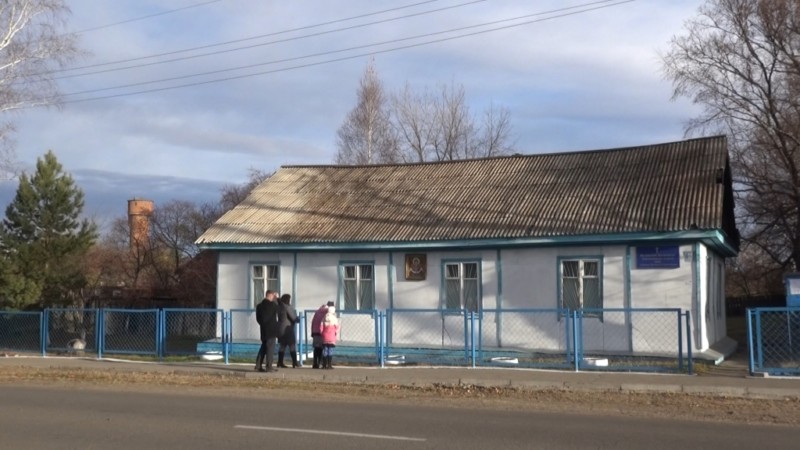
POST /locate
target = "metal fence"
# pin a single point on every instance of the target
(608, 339)
(22, 331)
(773, 336)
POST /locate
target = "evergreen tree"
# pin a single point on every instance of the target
(44, 239)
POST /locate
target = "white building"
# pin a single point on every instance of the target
(639, 227)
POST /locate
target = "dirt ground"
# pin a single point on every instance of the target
(678, 406)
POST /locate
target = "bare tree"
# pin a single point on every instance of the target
(366, 136)
(740, 60)
(440, 127)
(32, 46)
(134, 259)
(233, 194)
(495, 134)
(174, 230)
(454, 128)
(413, 124)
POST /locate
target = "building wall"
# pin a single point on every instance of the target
(510, 279)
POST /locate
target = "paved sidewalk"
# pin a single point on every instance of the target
(731, 386)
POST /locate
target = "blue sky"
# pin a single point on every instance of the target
(588, 80)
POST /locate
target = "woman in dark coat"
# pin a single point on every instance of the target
(287, 319)
(267, 318)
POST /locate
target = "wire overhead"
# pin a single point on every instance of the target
(431, 38)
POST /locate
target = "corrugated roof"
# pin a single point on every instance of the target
(656, 188)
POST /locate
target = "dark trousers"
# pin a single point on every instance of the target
(262, 352)
(270, 350)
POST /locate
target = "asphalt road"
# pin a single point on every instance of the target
(68, 417)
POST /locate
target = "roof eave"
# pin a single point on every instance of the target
(714, 239)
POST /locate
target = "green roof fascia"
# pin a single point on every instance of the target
(714, 239)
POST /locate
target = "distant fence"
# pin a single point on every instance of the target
(773, 336)
(603, 339)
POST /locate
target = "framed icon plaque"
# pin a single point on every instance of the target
(416, 266)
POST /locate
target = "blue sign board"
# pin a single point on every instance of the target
(664, 257)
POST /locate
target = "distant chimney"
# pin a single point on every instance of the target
(139, 212)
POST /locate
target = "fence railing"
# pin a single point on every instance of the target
(607, 339)
(773, 336)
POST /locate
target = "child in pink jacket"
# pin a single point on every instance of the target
(329, 330)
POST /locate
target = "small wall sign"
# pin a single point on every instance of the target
(661, 257)
(416, 266)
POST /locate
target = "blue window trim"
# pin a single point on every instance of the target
(340, 287)
(442, 284)
(560, 259)
(250, 265)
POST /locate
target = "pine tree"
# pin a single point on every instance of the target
(44, 239)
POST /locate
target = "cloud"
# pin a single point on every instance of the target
(584, 81)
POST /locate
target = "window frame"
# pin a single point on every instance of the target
(443, 301)
(581, 259)
(341, 300)
(256, 298)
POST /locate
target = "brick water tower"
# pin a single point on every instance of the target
(139, 212)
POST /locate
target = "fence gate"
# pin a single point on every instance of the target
(773, 338)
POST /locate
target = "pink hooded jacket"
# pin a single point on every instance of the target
(330, 327)
(316, 321)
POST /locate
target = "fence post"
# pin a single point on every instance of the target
(680, 341)
(101, 331)
(44, 320)
(225, 336)
(376, 332)
(576, 324)
(480, 334)
(299, 336)
(759, 341)
(689, 362)
(382, 338)
(472, 336)
(466, 334)
(568, 338)
(750, 363)
(160, 329)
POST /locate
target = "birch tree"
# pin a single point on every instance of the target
(366, 136)
(33, 44)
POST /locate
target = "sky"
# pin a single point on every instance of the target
(177, 98)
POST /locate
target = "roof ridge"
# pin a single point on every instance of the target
(515, 155)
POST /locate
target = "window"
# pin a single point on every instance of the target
(358, 287)
(461, 286)
(580, 284)
(264, 277)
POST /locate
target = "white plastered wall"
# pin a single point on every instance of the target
(529, 280)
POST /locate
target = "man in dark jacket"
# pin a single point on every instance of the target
(267, 318)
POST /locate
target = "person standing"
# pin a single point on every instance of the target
(316, 333)
(330, 334)
(267, 318)
(287, 319)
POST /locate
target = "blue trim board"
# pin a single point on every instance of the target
(499, 272)
(499, 303)
(294, 278)
(714, 239)
(696, 285)
(390, 269)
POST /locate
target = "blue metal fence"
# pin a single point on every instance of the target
(608, 339)
(773, 336)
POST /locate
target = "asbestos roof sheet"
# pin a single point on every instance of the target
(655, 188)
